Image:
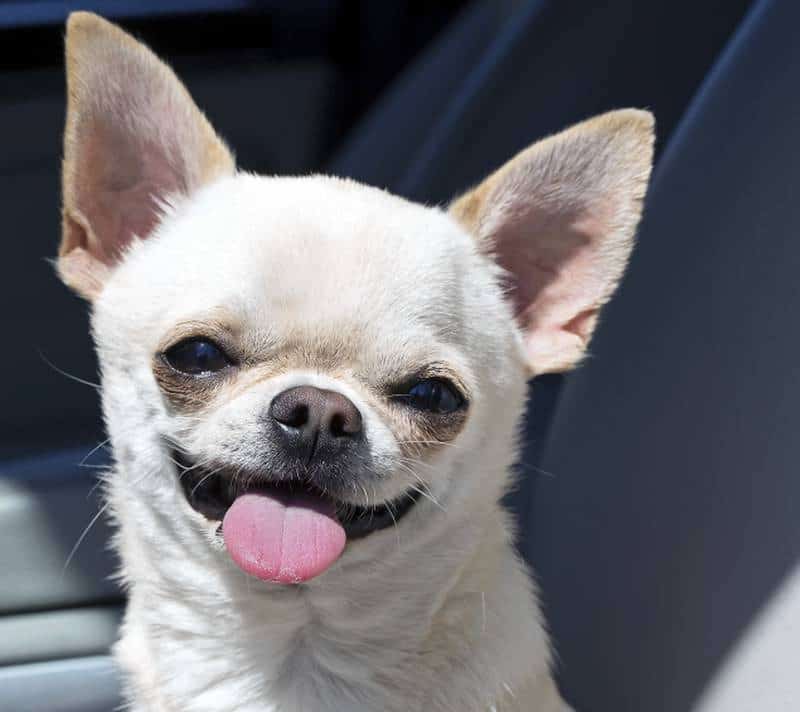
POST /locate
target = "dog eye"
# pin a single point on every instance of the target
(434, 395)
(196, 357)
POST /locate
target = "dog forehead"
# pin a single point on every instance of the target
(312, 255)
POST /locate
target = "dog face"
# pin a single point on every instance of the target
(293, 365)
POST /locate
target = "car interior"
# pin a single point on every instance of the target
(657, 498)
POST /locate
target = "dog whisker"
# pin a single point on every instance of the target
(424, 492)
(366, 495)
(83, 536)
(423, 489)
(97, 447)
(198, 464)
(70, 376)
(427, 442)
(105, 472)
(528, 467)
(204, 479)
(390, 509)
(416, 463)
(96, 518)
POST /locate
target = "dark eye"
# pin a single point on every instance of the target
(196, 357)
(434, 395)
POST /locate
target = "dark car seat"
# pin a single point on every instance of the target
(671, 514)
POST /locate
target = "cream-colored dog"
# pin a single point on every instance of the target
(313, 387)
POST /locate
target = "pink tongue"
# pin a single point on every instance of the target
(286, 539)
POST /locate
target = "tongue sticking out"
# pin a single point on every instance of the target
(282, 538)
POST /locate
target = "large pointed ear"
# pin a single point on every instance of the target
(133, 141)
(560, 218)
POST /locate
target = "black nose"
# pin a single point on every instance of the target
(312, 421)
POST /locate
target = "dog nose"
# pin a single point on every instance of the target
(313, 420)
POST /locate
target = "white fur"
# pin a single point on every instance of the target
(438, 614)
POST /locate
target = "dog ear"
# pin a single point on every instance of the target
(133, 142)
(560, 218)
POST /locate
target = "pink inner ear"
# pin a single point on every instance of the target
(549, 257)
(117, 182)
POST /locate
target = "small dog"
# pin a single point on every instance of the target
(312, 389)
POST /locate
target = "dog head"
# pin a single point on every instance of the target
(294, 364)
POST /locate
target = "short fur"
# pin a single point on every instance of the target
(322, 281)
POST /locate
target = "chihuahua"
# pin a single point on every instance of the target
(312, 389)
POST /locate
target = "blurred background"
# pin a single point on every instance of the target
(659, 487)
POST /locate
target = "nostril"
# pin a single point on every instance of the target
(337, 426)
(296, 417)
(345, 424)
(291, 409)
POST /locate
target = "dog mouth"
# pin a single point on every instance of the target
(282, 531)
(212, 494)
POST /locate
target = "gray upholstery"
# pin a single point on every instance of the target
(670, 516)
(53, 541)
(87, 684)
(70, 633)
